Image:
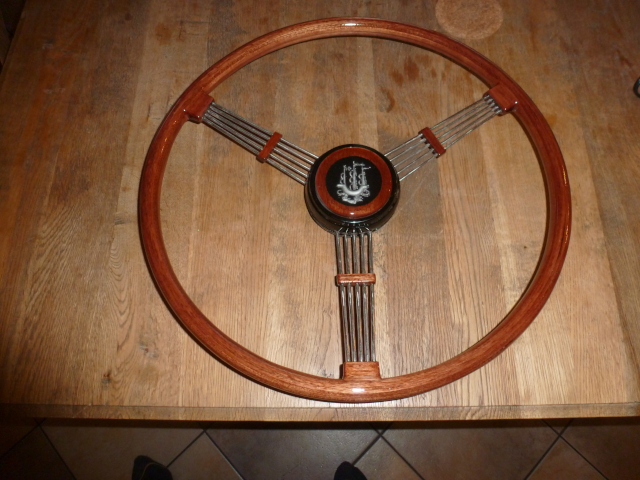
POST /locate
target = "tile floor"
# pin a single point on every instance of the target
(553, 449)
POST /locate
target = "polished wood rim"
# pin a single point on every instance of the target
(354, 388)
(352, 211)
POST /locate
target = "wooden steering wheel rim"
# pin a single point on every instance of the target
(191, 105)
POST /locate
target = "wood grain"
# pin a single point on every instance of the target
(83, 331)
(5, 41)
(504, 98)
(355, 279)
(433, 140)
(350, 389)
(376, 204)
(270, 145)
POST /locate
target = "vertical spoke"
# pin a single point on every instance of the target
(371, 317)
(363, 293)
(355, 282)
(346, 344)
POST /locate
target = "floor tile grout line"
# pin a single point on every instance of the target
(585, 458)
(544, 455)
(203, 424)
(185, 448)
(371, 425)
(367, 448)
(561, 435)
(402, 457)
(565, 427)
(224, 455)
(544, 420)
(19, 441)
(57, 452)
(382, 430)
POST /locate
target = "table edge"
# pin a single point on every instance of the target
(322, 414)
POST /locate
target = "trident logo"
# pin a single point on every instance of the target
(353, 186)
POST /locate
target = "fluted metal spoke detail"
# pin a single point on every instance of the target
(411, 155)
(417, 151)
(354, 254)
(285, 156)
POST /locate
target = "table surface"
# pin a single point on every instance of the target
(85, 333)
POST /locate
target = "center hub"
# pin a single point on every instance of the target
(352, 186)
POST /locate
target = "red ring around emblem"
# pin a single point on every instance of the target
(349, 211)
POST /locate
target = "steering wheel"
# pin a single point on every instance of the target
(351, 191)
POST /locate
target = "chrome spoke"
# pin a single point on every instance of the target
(432, 142)
(355, 280)
(267, 146)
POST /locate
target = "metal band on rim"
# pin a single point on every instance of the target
(357, 389)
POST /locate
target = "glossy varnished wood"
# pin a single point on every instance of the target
(433, 140)
(354, 211)
(83, 330)
(362, 370)
(268, 148)
(355, 279)
(504, 97)
(352, 388)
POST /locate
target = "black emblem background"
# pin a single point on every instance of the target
(374, 179)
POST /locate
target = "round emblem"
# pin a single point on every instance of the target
(351, 186)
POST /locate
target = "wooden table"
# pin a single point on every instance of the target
(83, 330)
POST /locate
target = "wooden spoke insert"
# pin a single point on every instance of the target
(352, 219)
